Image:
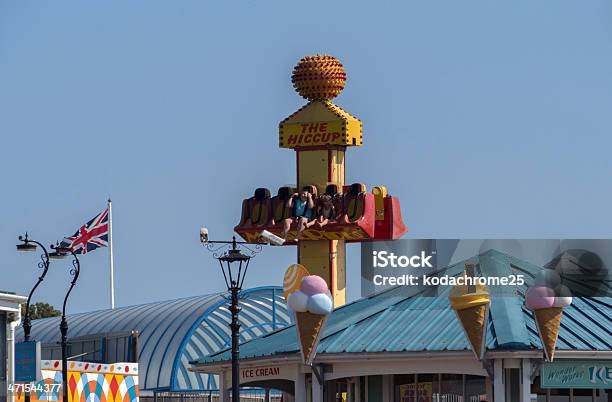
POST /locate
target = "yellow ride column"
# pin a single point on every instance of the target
(320, 132)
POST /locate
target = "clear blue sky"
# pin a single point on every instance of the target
(487, 119)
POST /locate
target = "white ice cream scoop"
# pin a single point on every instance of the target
(563, 296)
(298, 301)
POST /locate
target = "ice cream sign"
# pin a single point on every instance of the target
(546, 299)
(577, 374)
(309, 298)
(252, 374)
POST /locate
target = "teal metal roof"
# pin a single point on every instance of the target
(174, 332)
(394, 321)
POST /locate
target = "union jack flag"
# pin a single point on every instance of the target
(90, 236)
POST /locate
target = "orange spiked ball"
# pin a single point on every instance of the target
(319, 77)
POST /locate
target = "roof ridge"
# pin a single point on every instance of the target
(129, 306)
(117, 309)
(506, 313)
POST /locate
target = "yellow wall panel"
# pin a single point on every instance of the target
(312, 168)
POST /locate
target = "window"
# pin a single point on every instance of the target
(439, 388)
(475, 388)
(451, 388)
(403, 390)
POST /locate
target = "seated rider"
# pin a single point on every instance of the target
(325, 210)
(301, 206)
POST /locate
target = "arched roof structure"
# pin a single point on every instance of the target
(173, 333)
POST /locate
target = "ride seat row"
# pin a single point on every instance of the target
(262, 209)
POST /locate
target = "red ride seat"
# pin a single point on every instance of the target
(354, 202)
(257, 210)
(337, 197)
(280, 211)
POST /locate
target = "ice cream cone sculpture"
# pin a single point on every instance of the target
(309, 297)
(547, 298)
(471, 305)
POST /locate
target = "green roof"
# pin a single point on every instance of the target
(396, 321)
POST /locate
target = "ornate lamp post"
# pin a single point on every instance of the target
(59, 253)
(234, 265)
(29, 245)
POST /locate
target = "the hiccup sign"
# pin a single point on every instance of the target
(577, 374)
(310, 134)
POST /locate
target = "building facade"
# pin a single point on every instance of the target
(402, 347)
(10, 317)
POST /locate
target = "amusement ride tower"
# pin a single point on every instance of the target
(320, 133)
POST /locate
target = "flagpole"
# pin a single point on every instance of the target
(110, 251)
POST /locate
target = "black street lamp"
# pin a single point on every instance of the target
(28, 245)
(234, 264)
(61, 252)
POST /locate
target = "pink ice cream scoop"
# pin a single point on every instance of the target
(539, 297)
(313, 284)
